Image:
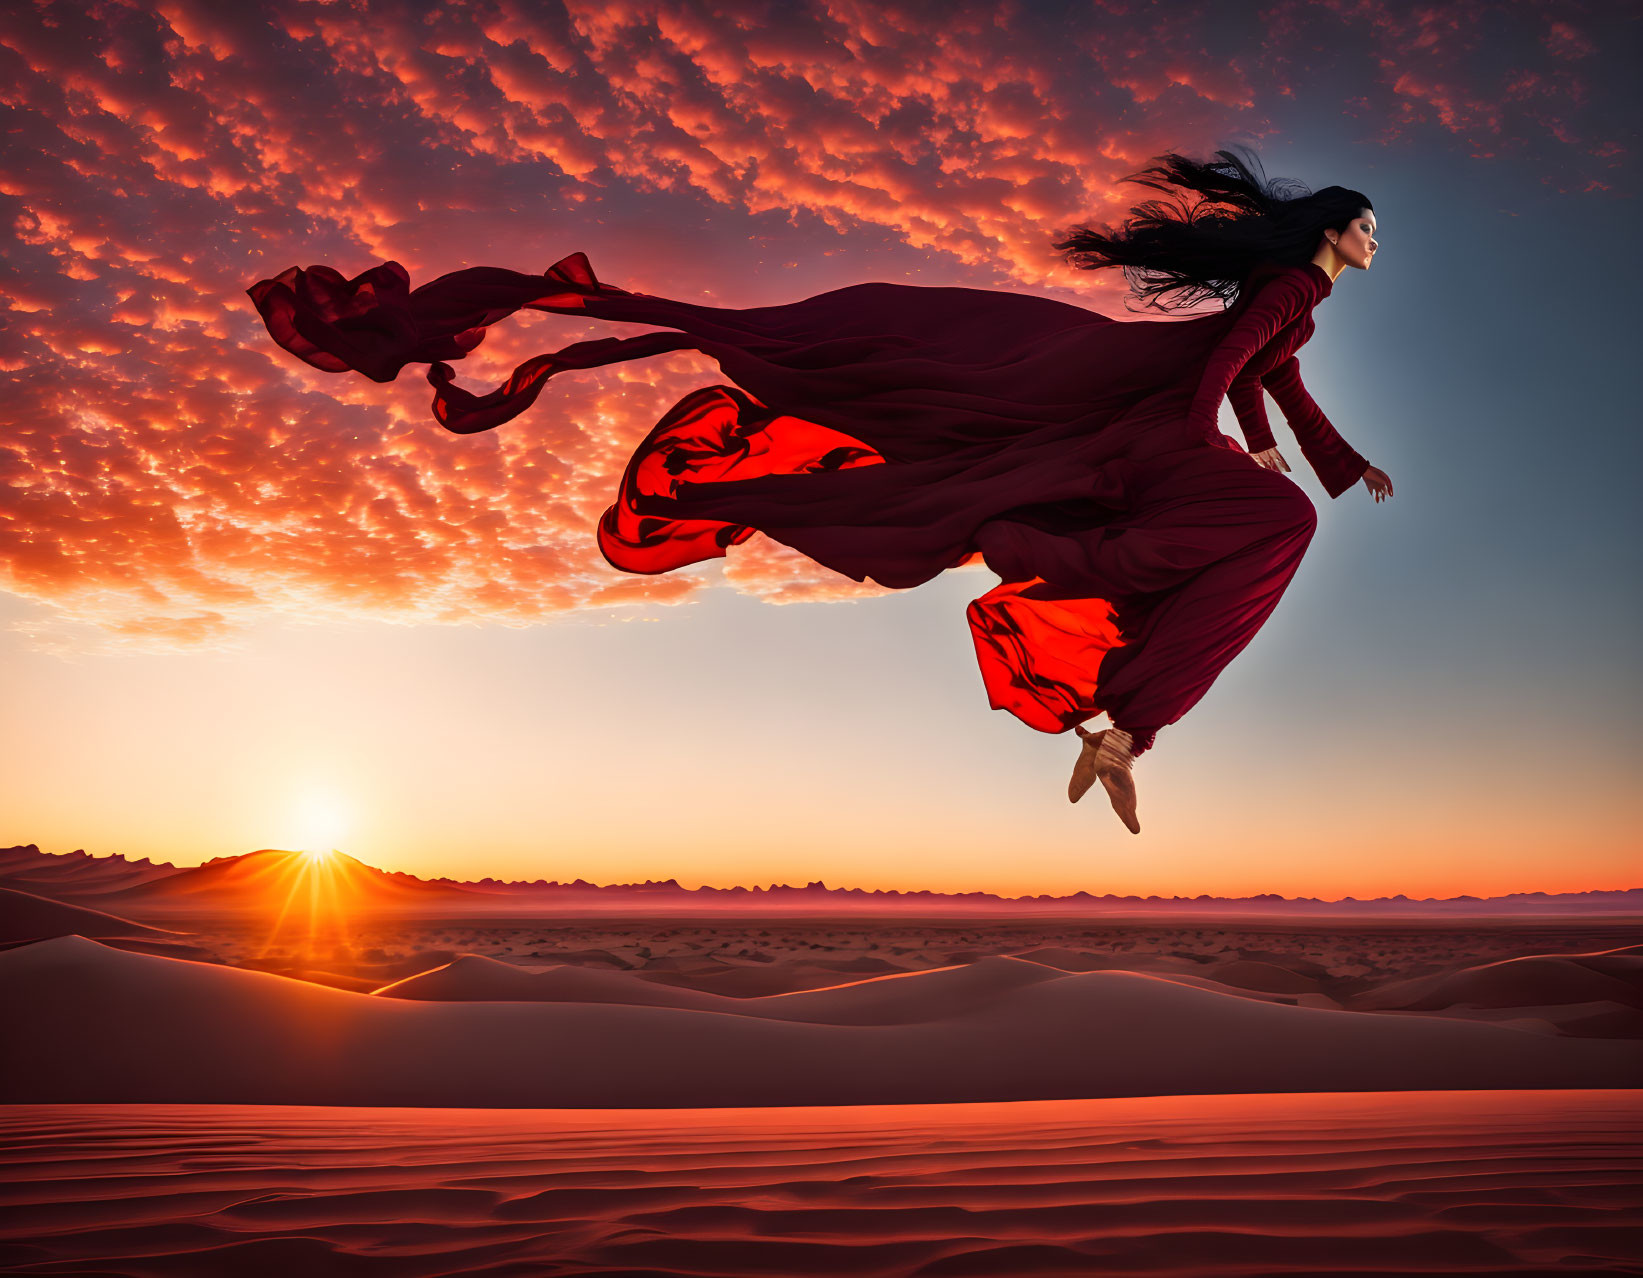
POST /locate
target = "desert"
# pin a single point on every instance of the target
(382, 1089)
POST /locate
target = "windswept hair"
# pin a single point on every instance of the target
(1220, 220)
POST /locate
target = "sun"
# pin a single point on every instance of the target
(313, 887)
(321, 822)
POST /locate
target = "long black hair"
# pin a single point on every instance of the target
(1223, 218)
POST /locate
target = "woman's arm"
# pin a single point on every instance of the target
(1249, 406)
(1336, 464)
(1281, 301)
(1249, 403)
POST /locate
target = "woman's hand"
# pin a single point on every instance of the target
(1271, 458)
(1378, 483)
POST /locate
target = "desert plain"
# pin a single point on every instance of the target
(421, 1094)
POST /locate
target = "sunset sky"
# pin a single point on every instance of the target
(249, 604)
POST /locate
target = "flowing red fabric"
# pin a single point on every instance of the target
(891, 432)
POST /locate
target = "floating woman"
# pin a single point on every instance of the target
(893, 431)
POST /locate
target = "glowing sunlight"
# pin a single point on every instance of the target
(311, 894)
(320, 822)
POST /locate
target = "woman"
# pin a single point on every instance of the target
(891, 432)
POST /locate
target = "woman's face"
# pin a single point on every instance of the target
(1356, 244)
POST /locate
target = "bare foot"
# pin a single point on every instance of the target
(1084, 771)
(1120, 787)
(1111, 770)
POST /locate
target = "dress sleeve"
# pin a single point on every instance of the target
(1281, 301)
(1336, 464)
(1249, 404)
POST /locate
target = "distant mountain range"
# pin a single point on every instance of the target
(264, 880)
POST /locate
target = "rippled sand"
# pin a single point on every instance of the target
(1368, 1183)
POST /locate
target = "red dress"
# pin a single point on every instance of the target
(891, 432)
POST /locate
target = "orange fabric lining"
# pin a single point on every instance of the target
(1040, 658)
(703, 439)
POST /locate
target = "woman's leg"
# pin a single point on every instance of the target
(1208, 583)
(1139, 616)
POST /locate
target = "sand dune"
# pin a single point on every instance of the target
(1265, 977)
(908, 998)
(366, 976)
(1612, 976)
(475, 978)
(749, 980)
(335, 980)
(1516, 990)
(92, 1024)
(704, 985)
(1597, 1019)
(1211, 981)
(1071, 960)
(1405, 1183)
(25, 916)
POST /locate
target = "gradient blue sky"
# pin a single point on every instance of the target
(249, 604)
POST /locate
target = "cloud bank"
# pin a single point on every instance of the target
(167, 474)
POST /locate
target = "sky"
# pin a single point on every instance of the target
(246, 604)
